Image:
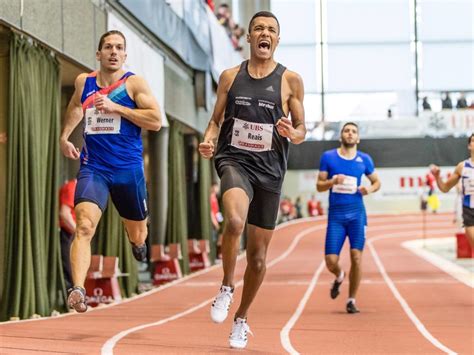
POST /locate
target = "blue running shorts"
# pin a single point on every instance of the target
(126, 187)
(344, 225)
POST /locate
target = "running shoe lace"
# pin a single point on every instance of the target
(240, 330)
(223, 300)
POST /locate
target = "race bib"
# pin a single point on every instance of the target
(349, 186)
(468, 181)
(256, 137)
(102, 123)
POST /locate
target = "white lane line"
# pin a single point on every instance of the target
(163, 287)
(285, 332)
(108, 347)
(454, 270)
(418, 324)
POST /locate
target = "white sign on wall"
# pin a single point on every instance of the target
(143, 60)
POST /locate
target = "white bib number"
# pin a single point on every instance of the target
(349, 186)
(102, 123)
(468, 181)
(256, 137)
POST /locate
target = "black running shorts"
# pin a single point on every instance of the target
(263, 208)
(468, 216)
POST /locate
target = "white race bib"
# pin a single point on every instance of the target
(102, 123)
(468, 181)
(349, 186)
(256, 137)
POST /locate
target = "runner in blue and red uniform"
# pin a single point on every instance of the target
(463, 172)
(114, 106)
(341, 172)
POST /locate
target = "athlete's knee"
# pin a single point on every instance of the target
(234, 225)
(356, 258)
(331, 262)
(85, 228)
(256, 263)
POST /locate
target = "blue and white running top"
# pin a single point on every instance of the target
(468, 183)
(346, 194)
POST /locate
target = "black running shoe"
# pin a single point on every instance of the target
(351, 308)
(335, 288)
(139, 252)
(76, 299)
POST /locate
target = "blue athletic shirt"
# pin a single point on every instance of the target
(110, 141)
(346, 195)
(468, 184)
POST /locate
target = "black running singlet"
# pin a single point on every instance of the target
(248, 135)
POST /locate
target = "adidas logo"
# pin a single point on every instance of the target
(270, 88)
(359, 159)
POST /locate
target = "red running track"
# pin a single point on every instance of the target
(408, 305)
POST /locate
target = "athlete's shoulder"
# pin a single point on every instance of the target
(330, 154)
(227, 77)
(363, 155)
(293, 78)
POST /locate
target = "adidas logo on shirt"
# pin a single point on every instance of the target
(359, 160)
(270, 88)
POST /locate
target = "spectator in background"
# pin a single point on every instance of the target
(234, 31)
(426, 104)
(210, 4)
(314, 207)
(461, 103)
(446, 103)
(216, 218)
(286, 208)
(67, 223)
(298, 208)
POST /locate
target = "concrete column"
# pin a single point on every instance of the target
(158, 184)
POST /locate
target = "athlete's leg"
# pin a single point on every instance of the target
(90, 200)
(355, 274)
(356, 232)
(257, 246)
(128, 193)
(335, 236)
(87, 217)
(470, 235)
(137, 230)
(236, 202)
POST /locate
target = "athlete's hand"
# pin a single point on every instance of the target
(363, 190)
(104, 104)
(206, 149)
(338, 179)
(435, 170)
(285, 128)
(69, 150)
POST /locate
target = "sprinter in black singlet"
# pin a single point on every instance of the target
(251, 122)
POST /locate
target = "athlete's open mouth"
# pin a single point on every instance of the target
(264, 44)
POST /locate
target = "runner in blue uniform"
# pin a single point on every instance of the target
(114, 106)
(341, 172)
(249, 134)
(464, 171)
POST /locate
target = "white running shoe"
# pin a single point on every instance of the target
(220, 306)
(238, 335)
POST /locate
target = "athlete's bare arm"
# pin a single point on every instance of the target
(206, 148)
(374, 185)
(292, 95)
(147, 115)
(447, 185)
(324, 184)
(73, 116)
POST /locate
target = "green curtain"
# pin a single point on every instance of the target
(111, 240)
(177, 228)
(33, 271)
(204, 203)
